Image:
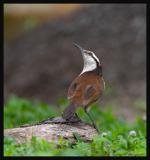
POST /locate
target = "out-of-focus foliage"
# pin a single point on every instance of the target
(117, 138)
(18, 111)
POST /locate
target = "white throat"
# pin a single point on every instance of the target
(89, 63)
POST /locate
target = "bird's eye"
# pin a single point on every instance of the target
(87, 52)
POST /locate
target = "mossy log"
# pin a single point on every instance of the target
(51, 131)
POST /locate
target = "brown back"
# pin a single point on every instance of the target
(85, 89)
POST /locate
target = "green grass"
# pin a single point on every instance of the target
(117, 138)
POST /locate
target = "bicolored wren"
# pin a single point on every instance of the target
(87, 87)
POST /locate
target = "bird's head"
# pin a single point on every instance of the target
(91, 62)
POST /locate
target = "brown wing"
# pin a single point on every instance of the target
(74, 87)
(89, 92)
(85, 89)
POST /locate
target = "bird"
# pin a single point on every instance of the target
(86, 88)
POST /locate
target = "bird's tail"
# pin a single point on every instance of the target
(69, 112)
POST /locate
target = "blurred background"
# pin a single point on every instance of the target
(40, 60)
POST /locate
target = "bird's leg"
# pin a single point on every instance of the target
(85, 109)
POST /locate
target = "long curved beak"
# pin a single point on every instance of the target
(81, 49)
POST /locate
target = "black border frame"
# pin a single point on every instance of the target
(78, 1)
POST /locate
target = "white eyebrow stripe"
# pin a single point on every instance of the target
(95, 57)
(93, 54)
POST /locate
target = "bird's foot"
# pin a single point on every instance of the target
(74, 119)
